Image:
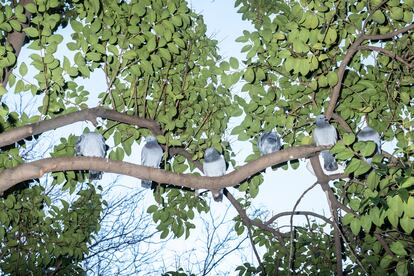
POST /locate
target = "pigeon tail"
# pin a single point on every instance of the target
(147, 184)
(217, 195)
(95, 175)
(329, 162)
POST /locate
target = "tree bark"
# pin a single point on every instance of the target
(37, 169)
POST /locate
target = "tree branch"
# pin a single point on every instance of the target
(323, 180)
(13, 135)
(36, 169)
(247, 221)
(301, 213)
(387, 53)
(347, 59)
(384, 244)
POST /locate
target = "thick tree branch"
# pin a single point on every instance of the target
(347, 59)
(387, 53)
(323, 180)
(36, 169)
(16, 134)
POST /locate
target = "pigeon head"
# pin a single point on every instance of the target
(211, 154)
(271, 136)
(150, 139)
(321, 120)
(367, 131)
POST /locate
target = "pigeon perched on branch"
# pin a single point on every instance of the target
(214, 165)
(151, 156)
(91, 144)
(268, 142)
(325, 134)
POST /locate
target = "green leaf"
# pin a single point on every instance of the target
(249, 75)
(366, 223)
(369, 148)
(332, 79)
(373, 180)
(234, 63)
(363, 168)
(407, 224)
(31, 32)
(23, 69)
(378, 17)
(348, 138)
(15, 25)
(402, 268)
(354, 204)
(2, 90)
(408, 182)
(353, 166)
(331, 36)
(386, 261)
(152, 209)
(397, 13)
(408, 207)
(398, 248)
(30, 7)
(355, 226)
(348, 218)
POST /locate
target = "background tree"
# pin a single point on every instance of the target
(351, 60)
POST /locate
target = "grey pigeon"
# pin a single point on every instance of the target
(325, 135)
(214, 165)
(369, 134)
(151, 156)
(91, 144)
(268, 142)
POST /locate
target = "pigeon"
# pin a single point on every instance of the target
(369, 134)
(214, 165)
(325, 135)
(151, 156)
(91, 144)
(268, 142)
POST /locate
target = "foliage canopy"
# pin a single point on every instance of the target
(351, 60)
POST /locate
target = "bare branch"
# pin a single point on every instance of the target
(37, 169)
(300, 213)
(291, 263)
(247, 221)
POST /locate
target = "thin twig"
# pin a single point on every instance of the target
(387, 53)
(291, 263)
